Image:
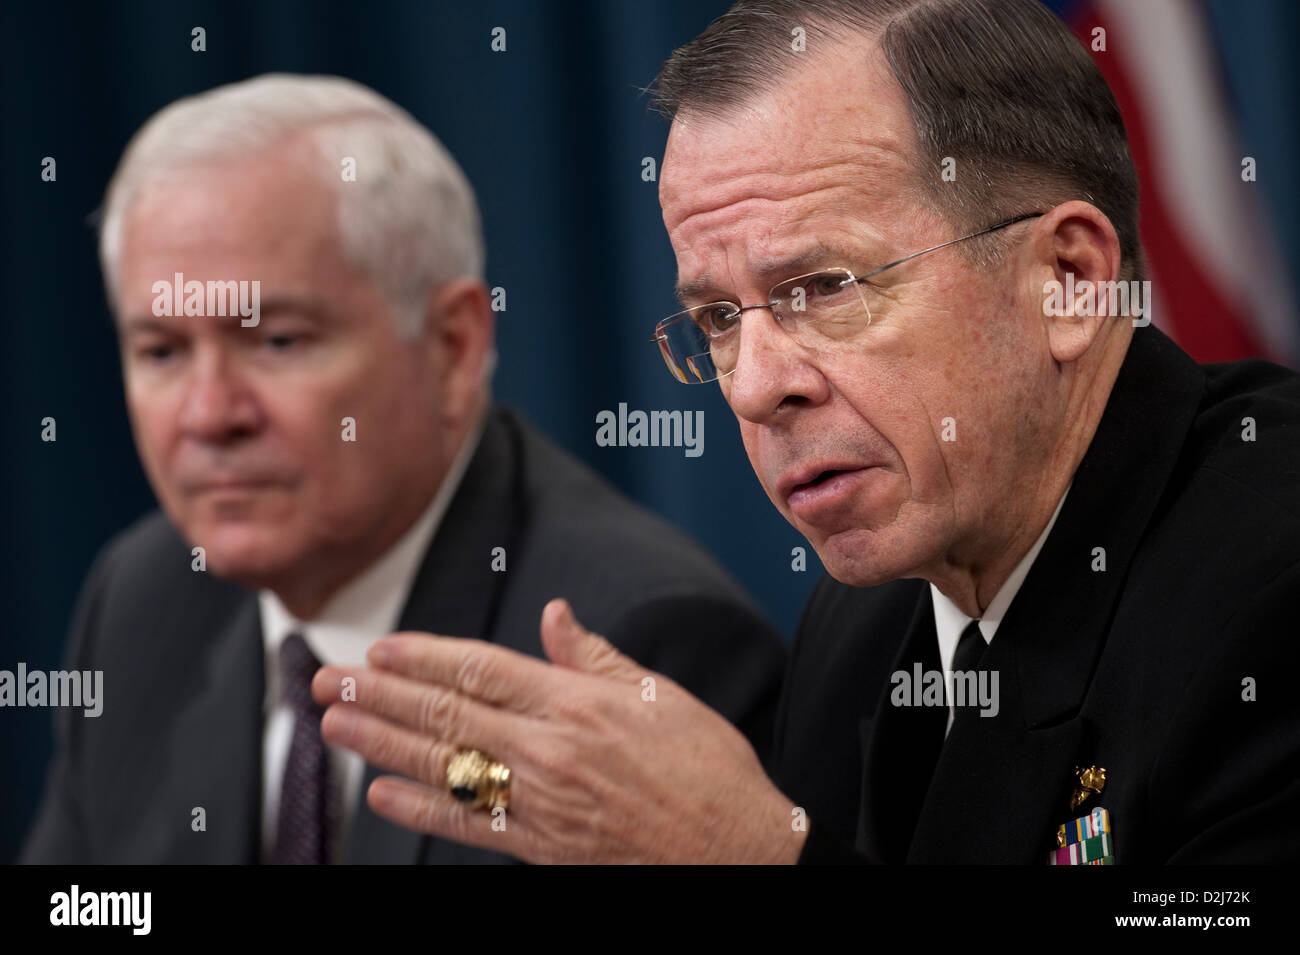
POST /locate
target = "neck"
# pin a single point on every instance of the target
(307, 589)
(971, 582)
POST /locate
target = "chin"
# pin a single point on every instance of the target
(863, 558)
(249, 556)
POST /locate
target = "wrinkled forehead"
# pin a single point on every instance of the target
(840, 119)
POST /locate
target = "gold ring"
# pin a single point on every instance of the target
(475, 778)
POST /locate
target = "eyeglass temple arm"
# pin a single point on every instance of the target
(941, 245)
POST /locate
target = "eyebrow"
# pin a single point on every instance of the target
(820, 255)
(310, 307)
(146, 323)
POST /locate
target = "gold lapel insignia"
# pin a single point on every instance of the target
(1092, 780)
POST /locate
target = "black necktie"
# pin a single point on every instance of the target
(308, 801)
(970, 650)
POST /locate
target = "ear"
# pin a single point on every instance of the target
(1076, 263)
(459, 330)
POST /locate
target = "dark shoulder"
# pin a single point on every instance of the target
(137, 554)
(143, 588)
(580, 526)
(641, 583)
(150, 557)
(1247, 436)
(1229, 520)
(848, 633)
(847, 642)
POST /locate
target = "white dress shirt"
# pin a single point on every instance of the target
(950, 620)
(365, 609)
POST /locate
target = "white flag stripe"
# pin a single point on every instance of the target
(1163, 48)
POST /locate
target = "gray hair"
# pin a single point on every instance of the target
(409, 221)
(999, 85)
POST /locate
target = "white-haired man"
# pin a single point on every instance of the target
(296, 269)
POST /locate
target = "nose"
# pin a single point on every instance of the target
(218, 406)
(772, 372)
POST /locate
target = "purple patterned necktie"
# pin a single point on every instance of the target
(309, 812)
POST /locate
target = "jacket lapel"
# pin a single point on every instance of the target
(1000, 788)
(1003, 783)
(901, 744)
(215, 748)
(455, 594)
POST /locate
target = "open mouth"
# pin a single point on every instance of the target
(820, 479)
(826, 494)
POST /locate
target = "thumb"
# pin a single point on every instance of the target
(569, 644)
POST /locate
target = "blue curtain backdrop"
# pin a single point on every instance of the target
(552, 133)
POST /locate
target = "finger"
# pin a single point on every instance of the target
(571, 645)
(425, 809)
(434, 711)
(477, 669)
(386, 745)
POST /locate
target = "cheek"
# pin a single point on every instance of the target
(346, 434)
(947, 430)
(323, 429)
(153, 423)
(916, 416)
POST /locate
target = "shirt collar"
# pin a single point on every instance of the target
(950, 620)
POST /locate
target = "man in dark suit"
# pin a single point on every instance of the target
(1132, 645)
(331, 468)
(1065, 558)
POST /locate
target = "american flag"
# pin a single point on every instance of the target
(1220, 278)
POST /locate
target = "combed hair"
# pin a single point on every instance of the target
(1001, 86)
(409, 221)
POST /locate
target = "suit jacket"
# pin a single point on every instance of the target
(182, 655)
(1175, 667)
